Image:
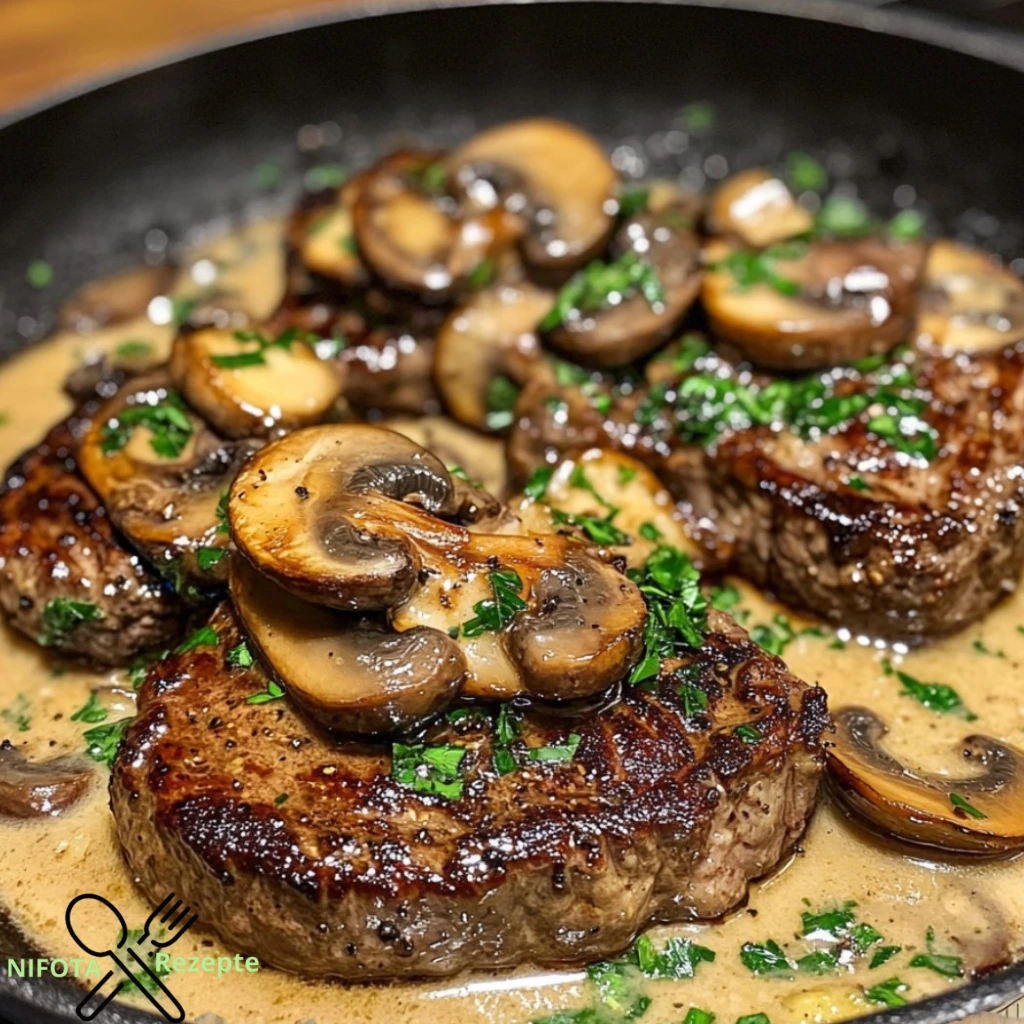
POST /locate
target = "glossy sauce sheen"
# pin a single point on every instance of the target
(976, 909)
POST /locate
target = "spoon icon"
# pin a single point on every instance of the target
(119, 954)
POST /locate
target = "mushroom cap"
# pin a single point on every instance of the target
(850, 299)
(919, 808)
(617, 335)
(166, 505)
(494, 333)
(337, 514)
(417, 241)
(756, 208)
(116, 299)
(247, 386)
(970, 302)
(350, 673)
(36, 789)
(322, 233)
(553, 174)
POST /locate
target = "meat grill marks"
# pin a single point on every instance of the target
(838, 521)
(305, 852)
(58, 544)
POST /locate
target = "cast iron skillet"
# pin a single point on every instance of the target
(93, 183)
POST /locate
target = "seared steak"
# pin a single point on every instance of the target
(905, 525)
(56, 542)
(304, 851)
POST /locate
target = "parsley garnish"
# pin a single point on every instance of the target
(749, 733)
(39, 274)
(222, 514)
(678, 959)
(558, 753)
(968, 809)
(430, 770)
(325, 176)
(650, 532)
(627, 474)
(695, 1015)
(633, 200)
(506, 732)
(502, 395)
(482, 274)
(63, 615)
(676, 609)
(581, 481)
(934, 696)
(946, 964)
(133, 349)
(805, 174)
(777, 637)
(599, 284)
(766, 958)
(272, 692)
(494, 614)
(207, 558)
(750, 267)
(754, 1018)
(102, 742)
(906, 226)
(205, 636)
(889, 993)
(883, 955)
(167, 420)
(600, 530)
(139, 668)
(537, 486)
(17, 713)
(91, 711)
(240, 656)
(845, 217)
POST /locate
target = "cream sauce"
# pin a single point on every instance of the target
(977, 909)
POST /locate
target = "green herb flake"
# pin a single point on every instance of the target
(698, 117)
(601, 531)
(208, 558)
(502, 395)
(205, 636)
(906, 226)
(821, 961)
(240, 656)
(884, 955)
(844, 217)
(650, 532)
(17, 713)
(935, 696)
(429, 770)
(63, 615)
(967, 808)
(751, 267)
(92, 711)
(766, 958)
(495, 613)
(103, 741)
(856, 483)
(981, 647)
(626, 474)
(325, 176)
(222, 513)
(829, 925)
(39, 274)
(678, 959)
(133, 349)
(272, 692)
(558, 753)
(946, 964)
(633, 200)
(749, 733)
(482, 274)
(754, 1018)
(167, 420)
(537, 486)
(888, 993)
(239, 360)
(268, 175)
(805, 174)
(695, 1015)
(280, 799)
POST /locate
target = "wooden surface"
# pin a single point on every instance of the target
(46, 44)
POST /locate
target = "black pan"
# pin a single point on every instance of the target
(904, 99)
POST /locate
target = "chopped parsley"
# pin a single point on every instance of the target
(884, 955)
(627, 474)
(724, 597)
(695, 1015)
(749, 733)
(257, 356)
(167, 420)
(272, 692)
(946, 964)
(268, 175)
(934, 696)
(240, 656)
(39, 274)
(102, 742)
(967, 808)
(633, 200)
(600, 284)
(601, 530)
(844, 217)
(676, 609)
(63, 615)
(133, 349)
(981, 647)
(17, 713)
(750, 267)
(495, 613)
(506, 732)
(208, 558)
(222, 514)
(324, 176)
(205, 636)
(430, 770)
(805, 174)
(888, 993)
(777, 637)
(581, 481)
(502, 395)
(92, 711)
(537, 486)
(906, 226)
(679, 958)
(558, 753)
(698, 117)
(280, 799)
(766, 958)
(650, 532)
(482, 274)
(754, 1018)
(139, 667)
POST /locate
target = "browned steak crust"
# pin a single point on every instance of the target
(842, 524)
(56, 541)
(303, 850)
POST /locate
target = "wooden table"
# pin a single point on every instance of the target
(47, 44)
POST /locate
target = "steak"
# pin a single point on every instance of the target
(57, 542)
(304, 851)
(905, 525)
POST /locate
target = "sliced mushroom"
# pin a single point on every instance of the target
(757, 209)
(322, 234)
(802, 306)
(414, 236)
(630, 324)
(334, 514)
(37, 789)
(113, 300)
(352, 674)
(982, 814)
(610, 486)
(970, 301)
(162, 474)
(247, 384)
(489, 343)
(553, 176)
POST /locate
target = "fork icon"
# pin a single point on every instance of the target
(170, 920)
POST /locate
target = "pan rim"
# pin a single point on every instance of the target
(987, 993)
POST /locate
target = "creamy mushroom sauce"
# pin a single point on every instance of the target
(976, 909)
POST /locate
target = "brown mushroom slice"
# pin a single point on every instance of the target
(970, 301)
(600, 483)
(583, 631)
(983, 814)
(756, 208)
(489, 343)
(247, 384)
(805, 306)
(415, 238)
(349, 673)
(323, 235)
(554, 176)
(39, 789)
(337, 514)
(630, 325)
(162, 474)
(116, 299)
